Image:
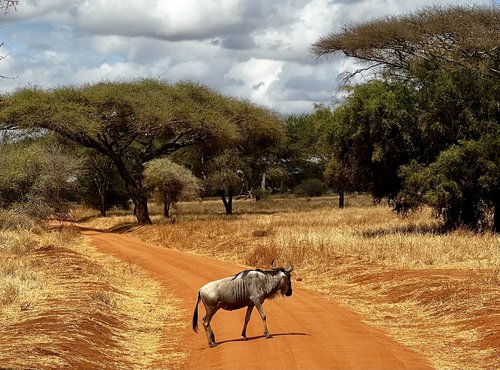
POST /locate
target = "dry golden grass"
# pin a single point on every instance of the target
(436, 292)
(63, 305)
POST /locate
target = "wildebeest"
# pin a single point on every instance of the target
(247, 288)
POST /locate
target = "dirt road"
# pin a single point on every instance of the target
(309, 332)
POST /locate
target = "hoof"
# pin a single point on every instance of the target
(212, 345)
(269, 336)
(245, 338)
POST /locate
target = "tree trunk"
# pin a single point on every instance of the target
(103, 205)
(135, 190)
(228, 203)
(263, 182)
(166, 206)
(101, 169)
(141, 209)
(496, 218)
(341, 198)
(229, 210)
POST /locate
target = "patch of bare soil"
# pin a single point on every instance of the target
(87, 313)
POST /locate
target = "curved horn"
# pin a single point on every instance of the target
(272, 263)
(289, 269)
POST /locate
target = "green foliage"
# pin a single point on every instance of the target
(100, 185)
(166, 177)
(301, 157)
(452, 38)
(427, 133)
(302, 136)
(452, 107)
(170, 182)
(240, 164)
(309, 188)
(226, 172)
(135, 122)
(368, 137)
(382, 134)
(340, 174)
(38, 176)
(461, 185)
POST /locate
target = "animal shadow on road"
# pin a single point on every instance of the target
(260, 336)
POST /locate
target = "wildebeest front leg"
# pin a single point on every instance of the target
(247, 318)
(263, 316)
(206, 324)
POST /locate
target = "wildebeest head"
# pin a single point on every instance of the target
(286, 282)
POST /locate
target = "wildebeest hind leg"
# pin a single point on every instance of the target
(206, 324)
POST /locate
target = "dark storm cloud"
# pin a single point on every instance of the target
(238, 42)
(307, 83)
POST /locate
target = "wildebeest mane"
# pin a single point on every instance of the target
(272, 272)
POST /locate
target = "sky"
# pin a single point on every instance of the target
(253, 49)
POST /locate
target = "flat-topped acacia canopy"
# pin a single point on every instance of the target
(449, 38)
(135, 122)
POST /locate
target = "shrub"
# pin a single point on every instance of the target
(309, 188)
(261, 194)
(10, 220)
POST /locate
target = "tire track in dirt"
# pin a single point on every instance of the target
(309, 332)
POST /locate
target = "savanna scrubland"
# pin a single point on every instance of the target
(436, 291)
(422, 135)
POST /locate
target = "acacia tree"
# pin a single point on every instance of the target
(100, 185)
(446, 38)
(170, 182)
(134, 122)
(226, 171)
(227, 167)
(442, 66)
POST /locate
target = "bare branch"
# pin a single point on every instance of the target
(7, 5)
(172, 145)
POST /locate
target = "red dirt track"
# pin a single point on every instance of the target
(309, 332)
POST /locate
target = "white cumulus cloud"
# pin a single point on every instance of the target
(256, 49)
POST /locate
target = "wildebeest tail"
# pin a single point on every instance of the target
(195, 315)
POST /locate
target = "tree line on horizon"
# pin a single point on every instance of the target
(422, 129)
